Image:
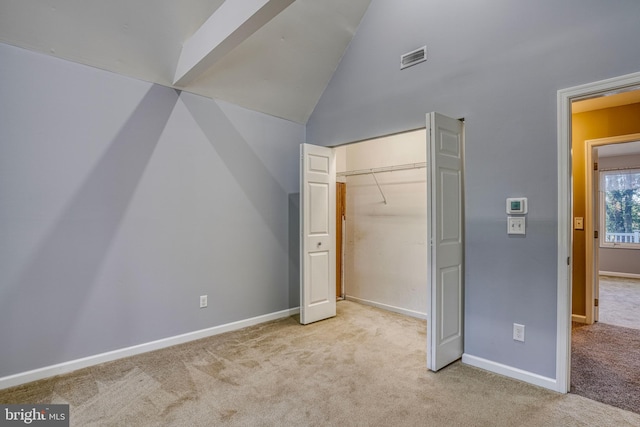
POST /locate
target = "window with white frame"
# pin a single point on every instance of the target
(620, 208)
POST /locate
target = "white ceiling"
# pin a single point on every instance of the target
(607, 101)
(281, 69)
(623, 149)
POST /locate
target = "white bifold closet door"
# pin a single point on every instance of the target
(318, 227)
(445, 202)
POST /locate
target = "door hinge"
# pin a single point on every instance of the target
(596, 302)
(595, 234)
(595, 166)
(568, 260)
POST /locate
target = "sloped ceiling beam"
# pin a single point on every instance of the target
(231, 24)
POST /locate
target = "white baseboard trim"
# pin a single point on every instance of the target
(388, 307)
(617, 274)
(578, 318)
(73, 365)
(511, 372)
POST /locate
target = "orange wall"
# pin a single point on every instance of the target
(592, 125)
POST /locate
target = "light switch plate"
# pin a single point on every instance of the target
(578, 223)
(516, 225)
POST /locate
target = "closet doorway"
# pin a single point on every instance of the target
(385, 222)
(444, 137)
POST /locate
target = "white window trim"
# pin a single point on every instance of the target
(603, 215)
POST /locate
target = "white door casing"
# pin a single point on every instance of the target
(445, 198)
(565, 243)
(590, 227)
(317, 225)
(595, 268)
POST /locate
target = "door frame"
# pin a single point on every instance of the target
(565, 212)
(341, 206)
(591, 248)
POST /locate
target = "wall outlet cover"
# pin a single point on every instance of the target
(518, 332)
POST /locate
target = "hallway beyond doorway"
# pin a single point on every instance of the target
(619, 301)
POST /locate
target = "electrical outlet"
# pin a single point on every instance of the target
(203, 301)
(518, 332)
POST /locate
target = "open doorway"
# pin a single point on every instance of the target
(599, 128)
(385, 222)
(566, 213)
(618, 205)
(599, 353)
(613, 197)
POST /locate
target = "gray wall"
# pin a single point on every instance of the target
(121, 202)
(619, 260)
(499, 64)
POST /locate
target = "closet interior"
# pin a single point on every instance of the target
(382, 222)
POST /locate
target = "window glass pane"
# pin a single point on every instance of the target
(622, 206)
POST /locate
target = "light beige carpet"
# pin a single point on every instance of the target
(619, 302)
(366, 367)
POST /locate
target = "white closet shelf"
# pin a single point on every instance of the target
(383, 169)
(374, 171)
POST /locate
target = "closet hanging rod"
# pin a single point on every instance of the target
(383, 169)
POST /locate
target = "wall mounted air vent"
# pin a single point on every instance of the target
(414, 57)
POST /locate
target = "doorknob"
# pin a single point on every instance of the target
(319, 244)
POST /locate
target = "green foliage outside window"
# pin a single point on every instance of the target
(622, 205)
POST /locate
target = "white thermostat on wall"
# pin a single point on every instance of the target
(517, 205)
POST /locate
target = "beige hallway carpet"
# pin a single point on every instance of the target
(619, 301)
(365, 367)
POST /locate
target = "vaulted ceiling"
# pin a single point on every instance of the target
(273, 56)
